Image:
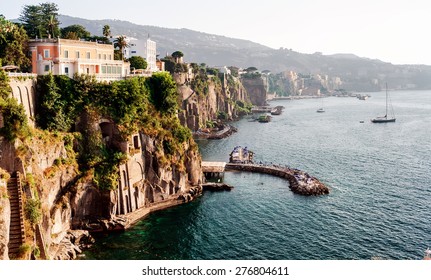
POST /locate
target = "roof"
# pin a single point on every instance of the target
(213, 166)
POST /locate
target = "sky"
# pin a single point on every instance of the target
(396, 31)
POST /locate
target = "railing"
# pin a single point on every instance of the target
(83, 60)
(17, 74)
(105, 77)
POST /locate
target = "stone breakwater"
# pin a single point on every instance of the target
(299, 181)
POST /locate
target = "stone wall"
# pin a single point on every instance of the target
(24, 91)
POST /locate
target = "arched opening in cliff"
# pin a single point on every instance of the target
(107, 129)
(120, 206)
(136, 196)
(149, 194)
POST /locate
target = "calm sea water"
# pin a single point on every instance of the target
(378, 207)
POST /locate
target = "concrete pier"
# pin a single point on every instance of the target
(299, 181)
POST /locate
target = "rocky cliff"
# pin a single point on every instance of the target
(70, 201)
(257, 88)
(208, 97)
(116, 167)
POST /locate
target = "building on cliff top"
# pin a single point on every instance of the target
(145, 48)
(67, 57)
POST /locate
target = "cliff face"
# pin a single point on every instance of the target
(4, 220)
(216, 99)
(71, 202)
(257, 88)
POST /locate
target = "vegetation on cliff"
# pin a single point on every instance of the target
(137, 104)
(13, 45)
(14, 117)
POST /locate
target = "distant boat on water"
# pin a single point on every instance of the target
(362, 97)
(385, 118)
(321, 110)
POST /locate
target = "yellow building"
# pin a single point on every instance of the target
(67, 57)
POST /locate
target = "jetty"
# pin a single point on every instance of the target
(241, 159)
(300, 182)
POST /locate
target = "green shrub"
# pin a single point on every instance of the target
(33, 211)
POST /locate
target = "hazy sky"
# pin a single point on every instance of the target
(396, 31)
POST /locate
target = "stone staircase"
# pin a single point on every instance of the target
(16, 234)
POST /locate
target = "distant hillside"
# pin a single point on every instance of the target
(359, 74)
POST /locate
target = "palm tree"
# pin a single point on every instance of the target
(121, 43)
(106, 31)
(50, 26)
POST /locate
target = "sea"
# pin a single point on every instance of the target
(378, 207)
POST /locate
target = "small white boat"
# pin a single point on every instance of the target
(320, 110)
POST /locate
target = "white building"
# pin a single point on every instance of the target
(144, 48)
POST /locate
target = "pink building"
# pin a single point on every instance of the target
(68, 57)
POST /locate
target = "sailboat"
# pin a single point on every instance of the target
(385, 118)
(321, 110)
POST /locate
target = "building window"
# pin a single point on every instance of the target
(88, 55)
(104, 56)
(46, 53)
(103, 69)
(110, 57)
(133, 51)
(100, 56)
(77, 54)
(66, 70)
(46, 68)
(66, 54)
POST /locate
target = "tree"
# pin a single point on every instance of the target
(251, 69)
(121, 43)
(138, 62)
(177, 55)
(107, 31)
(14, 117)
(13, 45)
(51, 107)
(51, 22)
(40, 20)
(31, 18)
(163, 92)
(75, 30)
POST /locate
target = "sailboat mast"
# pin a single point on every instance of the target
(386, 100)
